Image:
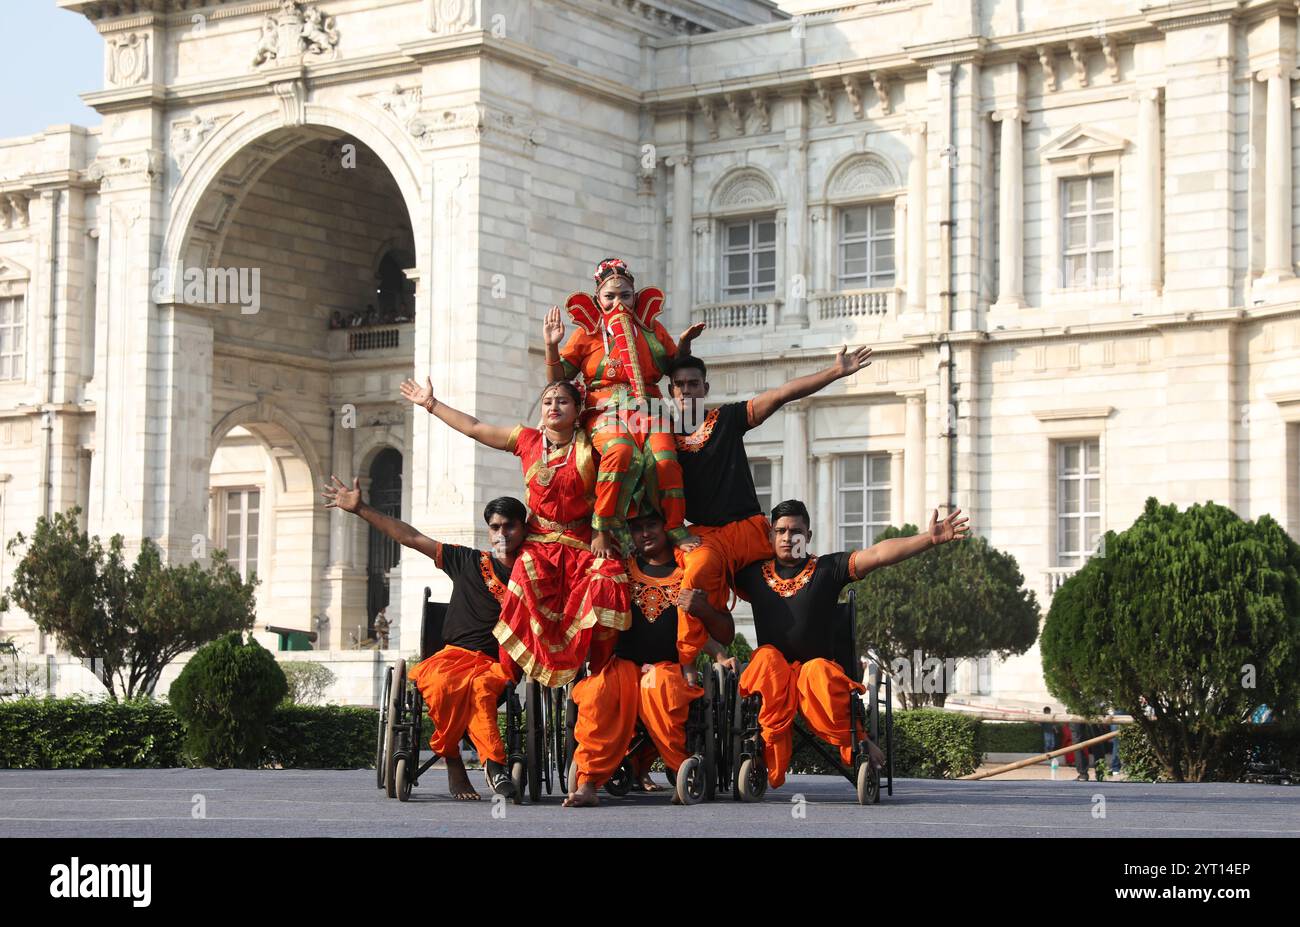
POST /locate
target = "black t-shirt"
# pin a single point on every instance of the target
(715, 468)
(473, 610)
(801, 622)
(652, 636)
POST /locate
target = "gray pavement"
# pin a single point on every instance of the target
(345, 803)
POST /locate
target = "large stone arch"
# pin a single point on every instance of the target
(240, 136)
(260, 418)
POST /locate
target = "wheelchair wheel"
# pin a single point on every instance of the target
(402, 777)
(534, 738)
(390, 728)
(383, 729)
(752, 780)
(691, 785)
(868, 784)
(517, 776)
(620, 783)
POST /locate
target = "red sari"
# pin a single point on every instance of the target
(560, 595)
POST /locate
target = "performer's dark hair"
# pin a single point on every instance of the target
(792, 508)
(647, 513)
(507, 507)
(570, 387)
(688, 362)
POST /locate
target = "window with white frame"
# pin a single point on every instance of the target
(1088, 230)
(1078, 500)
(242, 507)
(863, 505)
(749, 258)
(762, 473)
(13, 339)
(866, 247)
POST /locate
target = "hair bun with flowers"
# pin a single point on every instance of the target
(610, 267)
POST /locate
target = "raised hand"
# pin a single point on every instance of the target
(553, 327)
(691, 333)
(339, 496)
(419, 395)
(951, 528)
(849, 362)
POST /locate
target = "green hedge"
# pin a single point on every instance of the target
(928, 744)
(74, 733)
(1278, 743)
(1011, 737)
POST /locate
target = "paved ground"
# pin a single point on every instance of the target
(307, 803)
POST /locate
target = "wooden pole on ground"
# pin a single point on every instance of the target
(1042, 757)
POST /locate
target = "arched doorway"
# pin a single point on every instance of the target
(383, 553)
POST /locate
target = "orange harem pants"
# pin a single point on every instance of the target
(462, 688)
(819, 689)
(722, 553)
(636, 454)
(609, 704)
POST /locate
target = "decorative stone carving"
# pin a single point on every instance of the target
(733, 104)
(293, 101)
(881, 83)
(188, 136)
(1080, 57)
(744, 189)
(761, 109)
(828, 101)
(13, 212)
(710, 118)
(403, 104)
(1111, 51)
(291, 33)
(119, 171)
(861, 176)
(13, 277)
(449, 16)
(1047, 59)
(854, 93)
(128, 59)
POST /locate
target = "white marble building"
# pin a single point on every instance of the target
(1067, 231)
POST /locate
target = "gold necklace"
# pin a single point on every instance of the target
(547, 473)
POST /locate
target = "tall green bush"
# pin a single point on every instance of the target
(1195, 614)
(224, 697)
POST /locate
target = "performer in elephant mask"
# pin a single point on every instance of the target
(622, 351)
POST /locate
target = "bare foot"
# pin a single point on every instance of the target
(676, 800)
(584, 796)
(877, 755)
(648, 784)
(458, 781)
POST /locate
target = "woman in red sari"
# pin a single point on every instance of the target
(563, 601)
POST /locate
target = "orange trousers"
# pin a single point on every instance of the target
(611, 701)
(462, 688)
(818, 689)
(633, 458)
(722, 553)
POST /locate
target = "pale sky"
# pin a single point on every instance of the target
(50, 57)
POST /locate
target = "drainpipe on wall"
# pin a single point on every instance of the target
(47, 418)
(946, 298)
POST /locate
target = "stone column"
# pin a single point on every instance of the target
(681, 299)
(1150, 237)
(916, 187)
(794, 451)
(1011, 211)
(344, 439)
(1277, 175)
(797, 285)
(897, 484)
(914, 459)
(824, 513)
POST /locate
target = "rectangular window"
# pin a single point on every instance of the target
(13, 340)
(242, 517)
(866, 247)
(1088, 231)
(749, 258)
(1078, 500)
(762, 473)
(863, 500)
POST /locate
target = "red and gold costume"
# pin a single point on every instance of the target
(622, 355)
(639, 684)
(561, 601)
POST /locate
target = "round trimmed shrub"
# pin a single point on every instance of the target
(224, 697)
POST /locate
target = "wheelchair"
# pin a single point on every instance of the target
(699, 777)
(745, 761)
(399, 741)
